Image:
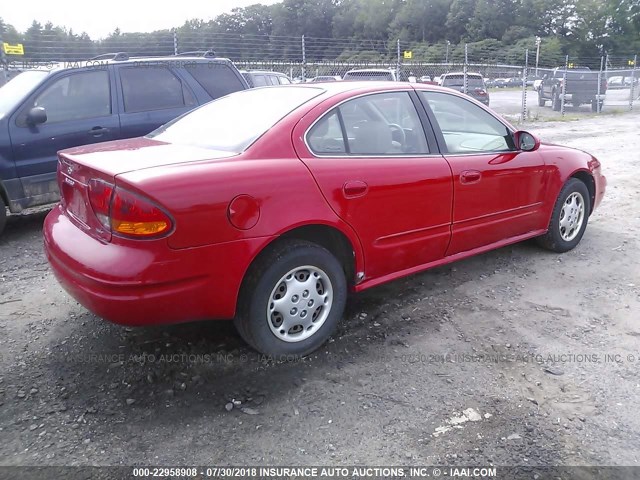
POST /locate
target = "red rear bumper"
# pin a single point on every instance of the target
(146, 282)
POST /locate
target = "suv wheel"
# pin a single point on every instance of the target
(541, 101)
(3, 215)
(556, 103)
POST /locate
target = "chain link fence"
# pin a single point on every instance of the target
(512, 77)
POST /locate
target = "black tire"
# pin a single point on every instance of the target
(594, 105)
(553, 240)
(265, 275)
(3, 215)
(556, 103)
(541, 101)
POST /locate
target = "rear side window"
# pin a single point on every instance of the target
(216, 78)
(260, 80)
(284, 81)
(153, 88)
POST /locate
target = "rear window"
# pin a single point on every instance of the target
(217, 79)
(234, 122)
(368, 76)
(458, 81)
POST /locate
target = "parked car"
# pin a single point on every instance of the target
(79, 103)
(425, 79)
(324, 78)
(376, 74)
(621, 82)
(195, 221)
(262, 78)
(581, 87)
(499, 83)
(475, 85)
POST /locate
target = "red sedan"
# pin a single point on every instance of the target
(269, 205)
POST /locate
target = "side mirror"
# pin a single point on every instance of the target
(36, 116)
(526, 141)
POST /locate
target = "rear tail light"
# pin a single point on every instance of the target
(127, 214)
(100, 194)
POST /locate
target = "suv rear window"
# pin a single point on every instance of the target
(458, 81)
(368, 76)
(216, 78)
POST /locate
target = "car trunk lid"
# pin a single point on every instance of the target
(81, 168)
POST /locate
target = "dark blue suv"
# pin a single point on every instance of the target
(107, 98)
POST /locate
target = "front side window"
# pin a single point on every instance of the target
(466, 127)
(260, 80)
(375, 125)
(153, 88)
(76, 96)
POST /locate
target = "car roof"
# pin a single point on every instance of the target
(269, 72)
(94, 63)
(370, 70)
(469, 74)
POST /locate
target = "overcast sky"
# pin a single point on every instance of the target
(100, 19)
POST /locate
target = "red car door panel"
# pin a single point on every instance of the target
(499, 191)
(497, 196)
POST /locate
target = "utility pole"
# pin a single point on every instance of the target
(446, 58)
(398, 60)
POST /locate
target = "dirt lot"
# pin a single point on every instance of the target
(515, 357)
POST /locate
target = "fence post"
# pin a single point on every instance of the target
(564, 84)
(304, 61)
(525, 72)
(175, 42)
(632, 92)
(598, 104)
(464, 69)
(398, 60)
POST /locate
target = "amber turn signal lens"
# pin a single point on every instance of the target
(139, 228)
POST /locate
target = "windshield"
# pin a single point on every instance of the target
(458, 81)
(234, 122)
(15, 90)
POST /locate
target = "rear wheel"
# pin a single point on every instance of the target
(292, 299)
(556, 103)
(569, 218)
(3, 215)
(594, 105)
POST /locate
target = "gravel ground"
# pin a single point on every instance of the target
(515, 357)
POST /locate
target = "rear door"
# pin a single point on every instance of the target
(150, 96)
(382, 175)
(80, 110)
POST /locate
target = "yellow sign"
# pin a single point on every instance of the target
(408, 54)
(631, 63)
(571, 65)
(16, 49)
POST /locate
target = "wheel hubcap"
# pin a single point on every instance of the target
(299, 303)
(571, 216)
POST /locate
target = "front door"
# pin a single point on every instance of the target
(78, 105)
(498, 190)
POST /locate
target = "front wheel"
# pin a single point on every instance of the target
(292, 299)
(569, 218)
